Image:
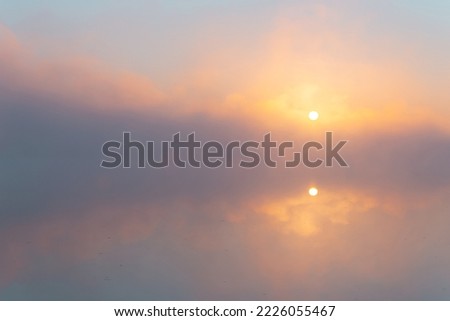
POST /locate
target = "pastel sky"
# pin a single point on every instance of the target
(75, 74)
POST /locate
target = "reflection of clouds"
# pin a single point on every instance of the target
(73, 236)
(306, 216)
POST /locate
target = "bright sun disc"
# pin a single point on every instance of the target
(313, 191)
(313, 115)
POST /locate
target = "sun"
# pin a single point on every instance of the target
(313, 115)
(313, 191)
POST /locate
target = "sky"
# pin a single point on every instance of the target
(75, 74)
